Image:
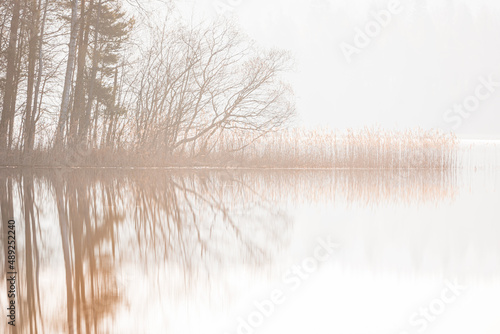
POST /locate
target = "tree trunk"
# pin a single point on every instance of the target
(40, 73)
(112, 114)
(85, 120)
(7, 108)
(79, 103)
(68, 80)
(29, 122)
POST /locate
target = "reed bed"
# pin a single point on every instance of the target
(366, 148)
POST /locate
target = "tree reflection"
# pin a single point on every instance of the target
(82, 231)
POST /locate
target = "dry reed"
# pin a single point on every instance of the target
(369, 148)
(366, 148)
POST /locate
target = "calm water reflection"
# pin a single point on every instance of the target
(155, 251)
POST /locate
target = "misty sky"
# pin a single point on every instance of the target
(429, 57)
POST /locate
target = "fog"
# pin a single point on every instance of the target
(237, 166)
(429, 57)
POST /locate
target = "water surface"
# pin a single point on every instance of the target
(192, 251)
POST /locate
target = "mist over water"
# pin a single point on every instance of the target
(144, 251)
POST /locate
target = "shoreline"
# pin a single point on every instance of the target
(231, 168)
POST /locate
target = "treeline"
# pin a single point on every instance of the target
(118, 83)
(107, 76)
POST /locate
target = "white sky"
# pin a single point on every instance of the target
(429, 57)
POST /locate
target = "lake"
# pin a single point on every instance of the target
(256, 251)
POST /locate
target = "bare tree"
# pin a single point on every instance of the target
(198, 82)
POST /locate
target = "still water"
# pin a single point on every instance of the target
(247, 251)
